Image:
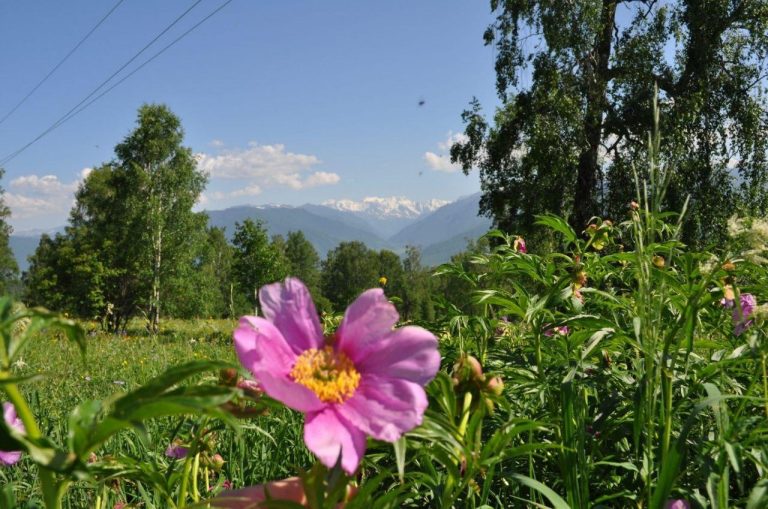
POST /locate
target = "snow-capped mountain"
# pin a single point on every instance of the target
(387, 207)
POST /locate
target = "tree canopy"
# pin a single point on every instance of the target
(576, 82)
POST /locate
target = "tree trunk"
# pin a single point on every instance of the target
(596, 75)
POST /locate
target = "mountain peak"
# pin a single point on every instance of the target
(386, 207)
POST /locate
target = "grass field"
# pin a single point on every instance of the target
(114, 365)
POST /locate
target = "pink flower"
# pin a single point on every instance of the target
(290, 490)
(677, 504)
(741, 322)
(519, 245)
(176, 451)
(367, 379)
(12, 420)
(562, 330)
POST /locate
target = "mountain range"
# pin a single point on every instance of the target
(440, 229)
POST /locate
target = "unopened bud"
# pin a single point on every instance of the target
(228, 377)
(496, 385)
(659, 261)
(729, 266)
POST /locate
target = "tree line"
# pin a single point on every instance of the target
(135, 247)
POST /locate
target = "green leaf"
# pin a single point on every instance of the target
(556, 500)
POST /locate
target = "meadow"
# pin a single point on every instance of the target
(624, 370)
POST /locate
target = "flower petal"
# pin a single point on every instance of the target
(291, 489)
(369, 318)
(288, 305)
(385, 408)
(9, 457)
(409, 353)
(264, 352)
(328, 434)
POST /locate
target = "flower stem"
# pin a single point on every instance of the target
(52, 490)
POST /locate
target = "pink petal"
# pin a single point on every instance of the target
(9, 458)
(409, 353)
(370, 317)
(290, 489)
(385, 408)
(264, 352)
(289, 307)
(327, 434)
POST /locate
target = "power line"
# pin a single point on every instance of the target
(150, 59)
(67, 115)
(61, 62)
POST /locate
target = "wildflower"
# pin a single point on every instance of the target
(496, 385)
(519, 245)
(13, 421)
(562, 330)
(741, 323)
(367, 379)
(288, 490)
(176, 451)
(580, 279)
(677, 504)
(383, 280)
(729, 266)
(659, 261)
(728, 296)
(250, 387)
(634, 206)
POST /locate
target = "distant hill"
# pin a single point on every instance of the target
(324, 233)
(438, 232)
(455, 220)
(23, 246)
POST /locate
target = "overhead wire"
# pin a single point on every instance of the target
(61, 62)
(75, 109)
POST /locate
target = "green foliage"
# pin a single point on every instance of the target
(256, 261)
(9, 269)
(569, 140)
(348, 270)
(133, 235)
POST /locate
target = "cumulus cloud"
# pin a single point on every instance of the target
(260, 166)
(442, 161)
(32, 196)
(48, 185)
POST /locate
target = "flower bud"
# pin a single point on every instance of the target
(659, 261)
(496, 385)
(228, 377)
(729, 266)
(634, 206)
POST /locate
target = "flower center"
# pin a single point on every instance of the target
(329, 374)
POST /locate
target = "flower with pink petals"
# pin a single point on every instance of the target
(519, 245)
(677, 504)
(287, 490)
(562, 330)
(367, 379)
(12, 420)
(176, 451)
(741, 321)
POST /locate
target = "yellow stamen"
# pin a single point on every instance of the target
(328, 373)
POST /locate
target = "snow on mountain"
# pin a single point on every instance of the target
(398, 207)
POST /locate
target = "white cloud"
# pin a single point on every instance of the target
(34, 196)
(260, 166)
(48, 185)
(251, 190)
(442, 161)
(257, 161)
(321, 178)
(217, 143)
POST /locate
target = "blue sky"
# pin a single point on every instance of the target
(285, 102)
